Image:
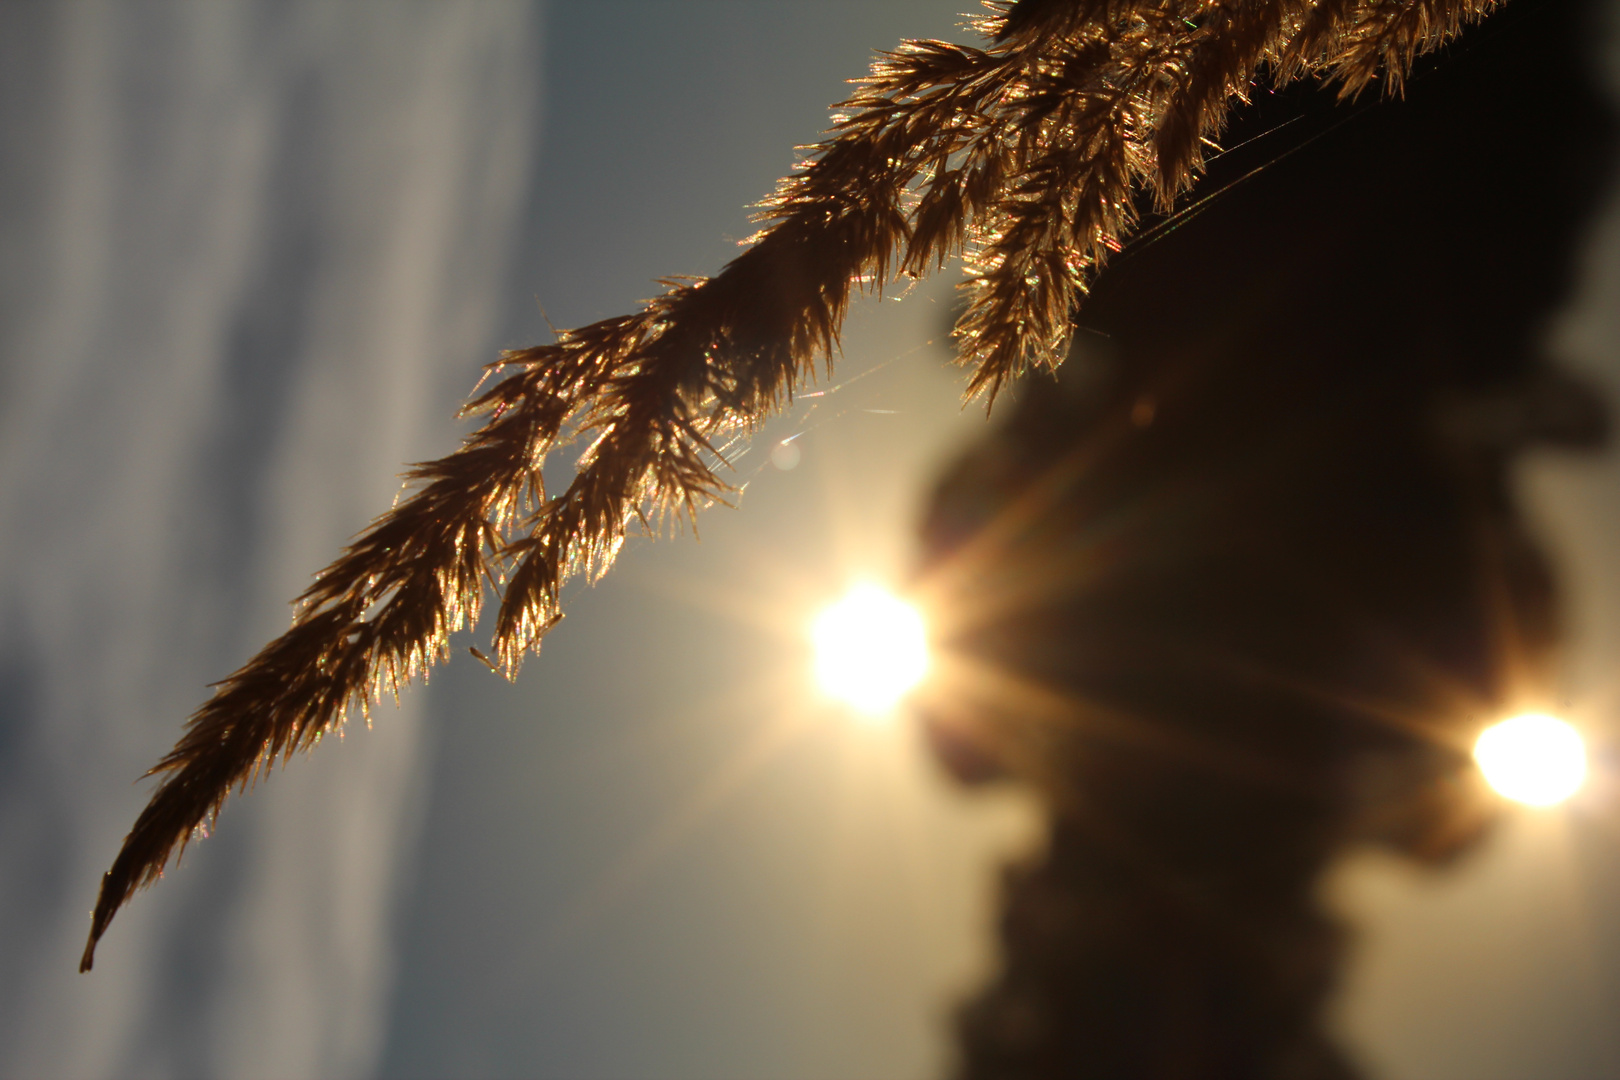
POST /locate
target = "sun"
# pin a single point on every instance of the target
(870, 649)
(1534, 758)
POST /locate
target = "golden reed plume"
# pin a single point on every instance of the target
(1024, 156)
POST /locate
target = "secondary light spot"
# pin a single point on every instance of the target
(870, 649)
(785, 454)
(1534, 758)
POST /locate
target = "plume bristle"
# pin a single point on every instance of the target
(1025, 155)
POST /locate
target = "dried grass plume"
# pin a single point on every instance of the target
(1024, 155)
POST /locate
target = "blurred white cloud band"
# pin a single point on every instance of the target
(252, 254)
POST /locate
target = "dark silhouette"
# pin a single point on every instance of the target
(1239, 590)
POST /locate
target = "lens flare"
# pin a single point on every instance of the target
(1535, 759)
(870, 649)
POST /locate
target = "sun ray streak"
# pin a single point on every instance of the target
(662, 841)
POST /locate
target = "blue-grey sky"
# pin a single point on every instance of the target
(250, 251)
(252, 255)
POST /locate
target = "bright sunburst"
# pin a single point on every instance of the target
(1534, 758)
(870, 649)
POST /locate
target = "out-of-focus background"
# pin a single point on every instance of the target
(252, 254)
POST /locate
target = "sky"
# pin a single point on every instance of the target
(253, 254)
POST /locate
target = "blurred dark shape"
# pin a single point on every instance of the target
(1238, 592)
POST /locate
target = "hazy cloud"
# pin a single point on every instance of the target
(251, 256)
